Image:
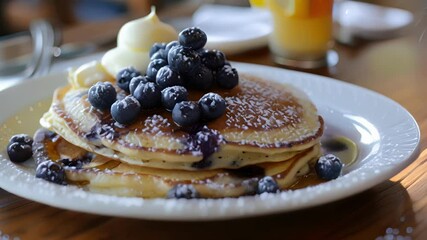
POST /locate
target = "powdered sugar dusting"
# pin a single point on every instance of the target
(262, 107)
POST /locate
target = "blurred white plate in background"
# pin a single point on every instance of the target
(370, 21)
(233, 29)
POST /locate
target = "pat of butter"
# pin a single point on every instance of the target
(88, 74)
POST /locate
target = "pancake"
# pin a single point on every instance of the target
(263, 122)
(97, 173)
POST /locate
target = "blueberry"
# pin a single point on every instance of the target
(227, 77)
(183, 60)
(173, 95)
(193, 38)
(154, 66)
(186, 191)
(156, 47)
(328, 167)
(161, 54)
(21, 138)
(102, 95)
(136, 81)
(126, 110)
(186, 113)
(171, 45)
(267, 184)
(52, 172)
(77, 164)
(19, 152)
(200, 78)
(212, 105)
(148, 95)
(166, 77)
(213, 59)
(206, 141)
(124, 76)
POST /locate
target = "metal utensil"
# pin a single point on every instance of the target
(43, 36)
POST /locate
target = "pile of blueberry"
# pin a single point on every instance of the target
(175, 68)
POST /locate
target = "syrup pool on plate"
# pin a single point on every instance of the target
(25, 121)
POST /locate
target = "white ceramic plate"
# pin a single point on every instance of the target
(233, 29)
(370, 21)
(387, 136)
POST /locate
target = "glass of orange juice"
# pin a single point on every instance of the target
(302, 31)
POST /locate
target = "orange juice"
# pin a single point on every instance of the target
(302, 29)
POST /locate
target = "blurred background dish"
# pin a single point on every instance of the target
(233, 29)
(370, 21)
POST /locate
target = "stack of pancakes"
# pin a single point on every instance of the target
(268, 129)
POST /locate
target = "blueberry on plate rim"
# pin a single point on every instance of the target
(52, 172)
(267, 184)
(19, 152)
(21, 138)
(186, 191)
(328, 167)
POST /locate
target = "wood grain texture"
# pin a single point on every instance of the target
(395, 67)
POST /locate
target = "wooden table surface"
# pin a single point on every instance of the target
(396, 208)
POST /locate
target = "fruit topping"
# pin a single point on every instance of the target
(227, 77)
(176, 68)
(161, 54)
(186, 113)
(19, 152)
(19, 148)
(328, 167)
(183, 60)
(213, 59)
(186, 191)
(267, 184)
(102, 95)
(166, 77)
(148, 95)
(21, 138)
(212, 105)
(206, 141)
(156, 47)
(154, 66)
(52, 172)
(200, 78)
(193, 38)
(124, 76)
(136, 81)
(171, 45)
(173, 95)
(126, 110)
